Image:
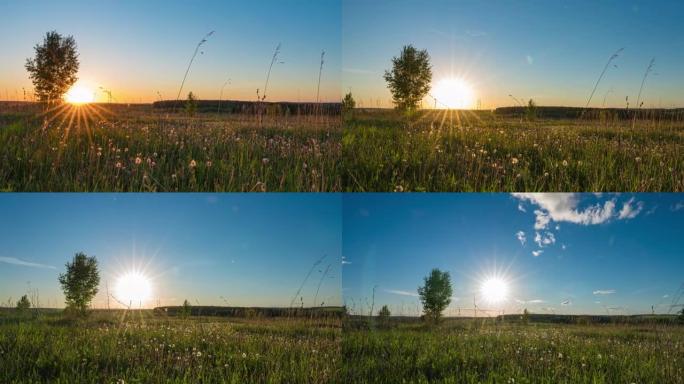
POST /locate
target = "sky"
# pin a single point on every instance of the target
(211, 249)
(557, 253)
(139, 48)
(552, 51)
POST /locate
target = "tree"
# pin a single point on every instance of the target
(525, 316)
(53, 70)
(384, 315)
(681, 316)
(348, 103)
(531, 110)
(23, 303)
(191, 105)
(80, 282)
(185, 311)
(435, 294)
(410, 77)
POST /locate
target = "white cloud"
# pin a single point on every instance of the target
(521, 208)
(678, 207)
(345, 261)
(537, 253)
(629, 211)
(401, 293)
(604, 292)
(547, 238)
(521, 237)
(563, 247)
(563, 207)
(15, 261)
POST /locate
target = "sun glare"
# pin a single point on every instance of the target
(79, 94)
(453, 93)
(133, 289)
(494, 290)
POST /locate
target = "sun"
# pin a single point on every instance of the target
(79, 94)
(494, 290)
(453, 93)
(133, 289)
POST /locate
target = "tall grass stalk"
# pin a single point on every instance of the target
(187, 70)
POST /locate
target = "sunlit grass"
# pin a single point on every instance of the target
(89, 148)
(477, 151)
(461, 353)
(149, 348)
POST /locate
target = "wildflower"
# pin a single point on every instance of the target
(514, 160)
(264, 161)
(209, 163)
(565, 163)
(193, 163)
(399, 188)
(637, 159)
(244, 355)
(138, 160)
(118, 165)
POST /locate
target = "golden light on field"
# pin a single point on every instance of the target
(133, 289)
(453, 93)
(79, 94)
(494, 289)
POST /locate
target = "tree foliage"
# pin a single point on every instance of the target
(191, 104)
(80, 282)
(384, 315)
(23, 303)
(186, 310)
(348, 103)
(531, 110)
(435, 294)
(53, 70)
(410, 77)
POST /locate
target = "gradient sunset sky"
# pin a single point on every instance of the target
(212, 249)
(550, 50)
(139, 48)
(559, 253)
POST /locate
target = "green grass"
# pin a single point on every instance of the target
(148, 348)
(458, 352)
(478, 151)
(143, 151)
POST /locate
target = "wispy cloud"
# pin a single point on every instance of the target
(677, 207)
(521, 237)
(533, 301)
(345, 261)
(604, 292)
(566, 302)
(537, 253)
(547, 238)
(475, 33)
(561, 207)
(630, 210)
(401, 293)
(15, 261)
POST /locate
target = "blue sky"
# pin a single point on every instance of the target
(549, 50)
(136, 48)
(253, 249)
(599, 253)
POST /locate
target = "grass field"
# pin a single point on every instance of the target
(480, 151)
(145, 347)
(143, 150)
(460, 352)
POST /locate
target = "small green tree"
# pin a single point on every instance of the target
(531, 110)
(53, 70)
(525, 316)
(23, 304)
(80, 282)
(384, 315)
(348, 103)
(435, 294)
(410, 77)
(191, 105)
(681, 316)
(186, 310)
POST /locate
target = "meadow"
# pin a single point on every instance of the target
(146, 346)
(484, 151)
(140, 149)
(463, 351)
